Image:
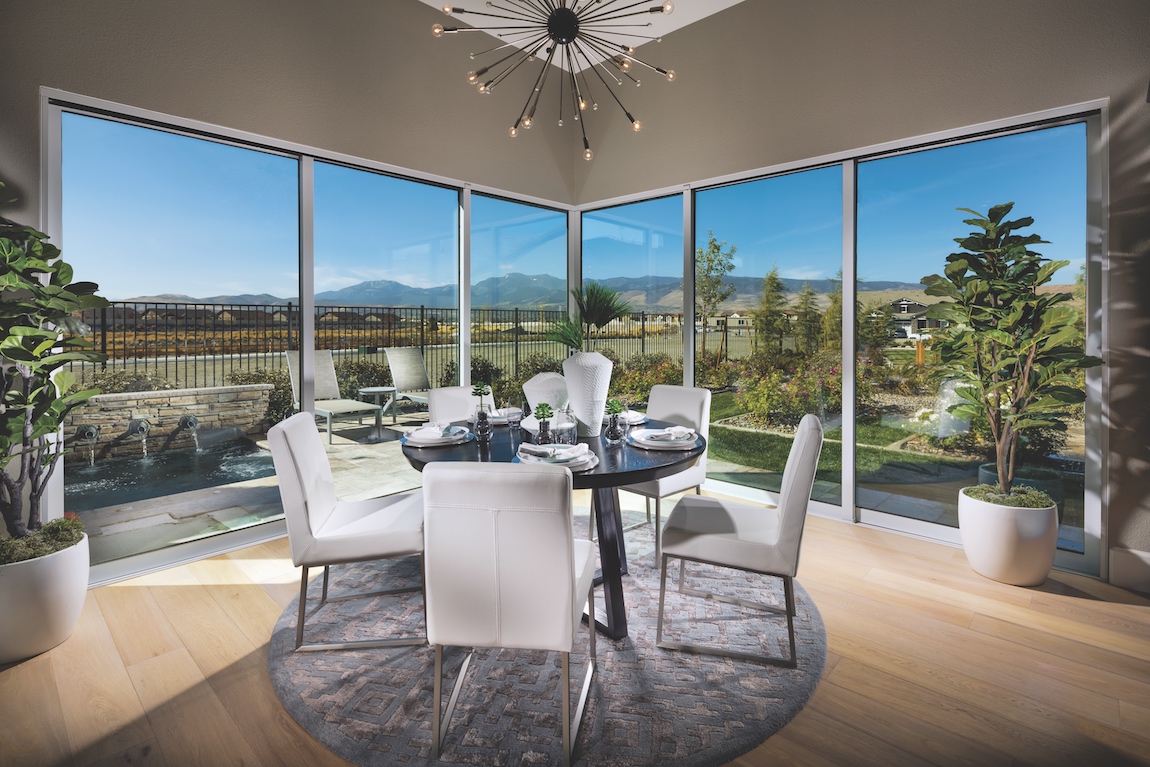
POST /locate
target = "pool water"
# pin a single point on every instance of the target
(116, 481)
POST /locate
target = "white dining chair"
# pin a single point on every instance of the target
(454, 403)
(684, 406)
(503, 570)
(324, 531)
(743, 537)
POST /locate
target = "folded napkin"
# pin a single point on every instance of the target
(550, 452)
(671, 433)
(432, 430)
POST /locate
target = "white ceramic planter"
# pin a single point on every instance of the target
(588, 376)
(41, 600)
(1008, 544)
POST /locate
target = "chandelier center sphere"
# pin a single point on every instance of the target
(563, 25)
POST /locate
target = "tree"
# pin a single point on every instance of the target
(770, 316)
(711, 290)
(833, 317)
(808, 320)
(875, 328)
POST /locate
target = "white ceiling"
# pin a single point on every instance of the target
(686, 12)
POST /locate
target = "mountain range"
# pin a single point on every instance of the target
(540, 291)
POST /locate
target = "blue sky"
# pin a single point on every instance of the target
(149, 212)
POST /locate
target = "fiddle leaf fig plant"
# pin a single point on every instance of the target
(1013, 350)
(40, 334)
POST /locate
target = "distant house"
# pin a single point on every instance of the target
(159, 315)
(195, 317)
(282, 316)
(338, 317)
(382, 319)
(245, 317)
(910, 320)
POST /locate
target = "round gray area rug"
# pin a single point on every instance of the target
(647, 706)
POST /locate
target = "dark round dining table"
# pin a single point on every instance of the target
(619, 465)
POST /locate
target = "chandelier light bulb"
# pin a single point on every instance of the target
(671, 75)
(560, 122)
(513, 132)
(636, 126)
(483, 87)
(588, 154)
(624, 64)
(668, 7)
(472, 77)
(437, 30)
(582, 103)
(447, 9)
(527, 121)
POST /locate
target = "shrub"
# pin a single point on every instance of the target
(54, 536)
(482, 369)
(280, 398)
(1022, 497)
(125, 380)
(713, 372)
(357, 373)
(783, 396)
(632, 382)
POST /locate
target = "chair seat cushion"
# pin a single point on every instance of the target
(344, 407)
(728, 533)
(361, 530)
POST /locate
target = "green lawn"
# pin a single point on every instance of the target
(723, 405)
(870, 431)
(762, 450)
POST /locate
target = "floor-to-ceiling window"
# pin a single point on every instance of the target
(518, 287)
(913, 454)
(196, 244)
(768, 322)
(636, 250)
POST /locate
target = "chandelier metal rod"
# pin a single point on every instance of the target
(503, 75)
(617, 101)
(590, 65)
(535, 90)
(490, 15)
(610, 58)
(607, 10)
(632, 57)
(507, 44)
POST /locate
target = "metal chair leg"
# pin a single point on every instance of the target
(436, 697)
(302, 608)
(566, 693)
(658, 528)
(363, 644)
(648, 504)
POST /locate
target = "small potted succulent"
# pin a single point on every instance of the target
(483, 427)
(543, 413)
(616, 430)
(1013, 353)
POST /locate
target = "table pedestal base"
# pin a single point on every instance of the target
(612, 620)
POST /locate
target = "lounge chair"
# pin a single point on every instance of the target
(328, 403)
(408, 373)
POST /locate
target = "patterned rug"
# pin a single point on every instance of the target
(647, 706)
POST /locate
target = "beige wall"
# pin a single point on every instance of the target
(765, 82)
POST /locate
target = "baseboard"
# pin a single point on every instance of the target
(1130, 569)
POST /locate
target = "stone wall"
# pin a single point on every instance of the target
(239, 409)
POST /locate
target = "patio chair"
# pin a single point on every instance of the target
(748, 538)
(324, 531)
(328, 403)
(503, 570)
(408, 373)
(684, 406)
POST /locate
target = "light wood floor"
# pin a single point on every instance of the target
(928, 664)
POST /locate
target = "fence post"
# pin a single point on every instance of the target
(289, 347)
(643, 333)
(422, 324)
(104, 334)
(726, 345)
(515, 332)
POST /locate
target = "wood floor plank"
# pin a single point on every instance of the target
(135, 621)
(844, 744)
(99, 707)
(143, 755)
(1135, 718)
(31, 717)
(191, 725)
(251, 608)
(781, 751)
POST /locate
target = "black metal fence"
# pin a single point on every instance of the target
(195, 345)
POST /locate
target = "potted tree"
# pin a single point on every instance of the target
(1013, 352)
(588, 374)
(44, 573)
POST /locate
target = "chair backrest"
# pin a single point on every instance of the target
(408, 373)
(546, 387)
(453, 403)
(499, 559)
(795, 491)
(682, 405)
(323, 368)
(304, 476)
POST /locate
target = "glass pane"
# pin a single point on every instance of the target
(637, 251)
(768, 319)
(913, 454)
(518, 286)
(196, 245)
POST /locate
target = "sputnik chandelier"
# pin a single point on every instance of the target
(570, 34)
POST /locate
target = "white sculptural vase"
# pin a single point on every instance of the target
(588, 376)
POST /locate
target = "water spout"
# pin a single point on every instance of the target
(88, 434)
(140, 427)
(192, 424)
